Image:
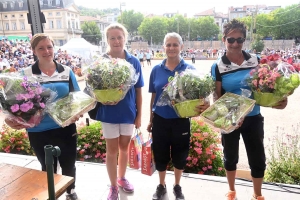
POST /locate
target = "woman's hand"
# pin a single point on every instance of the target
(77, 118)
(201, 108)
(138, 122)
(13, 124)
(149, 127)
(281, 104)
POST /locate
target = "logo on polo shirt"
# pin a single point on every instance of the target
(64, 77)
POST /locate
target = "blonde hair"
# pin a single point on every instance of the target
(38, 37)
(115, 26)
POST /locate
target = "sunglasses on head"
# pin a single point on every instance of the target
(238, 40)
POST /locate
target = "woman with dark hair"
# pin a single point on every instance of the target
(229, 72)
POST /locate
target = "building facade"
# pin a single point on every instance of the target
(62, 19)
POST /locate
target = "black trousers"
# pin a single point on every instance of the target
(253, 135)
(66, 139)
(171, 140)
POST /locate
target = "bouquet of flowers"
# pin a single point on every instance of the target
(185, 91)
(273, 80)
(66, 109)
(226, 112)
(110, 79)
(24, 99)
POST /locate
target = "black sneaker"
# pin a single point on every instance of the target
(160, 192)
(178, 193)
(72, 196)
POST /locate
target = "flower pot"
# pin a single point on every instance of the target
(266, 99)
(110, 95)
(187, 108)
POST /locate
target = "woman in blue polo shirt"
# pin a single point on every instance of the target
(229, 72)
(119, 120)
(170, 134)
(54, 75)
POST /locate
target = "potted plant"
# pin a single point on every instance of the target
(185, 91)
(110, 79)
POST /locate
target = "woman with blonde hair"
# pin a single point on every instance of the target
(119, 120)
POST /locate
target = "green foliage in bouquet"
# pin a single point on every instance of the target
(14, 141)
(188, 86)
(205, 156)
(227, 110)
(284, 157)
(108, 74)
(91, 145)
(64, 109)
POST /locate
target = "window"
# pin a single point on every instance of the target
(4, 4)
(5, 16)
(73, 24)
(72, 15)
(51, 24)
(69, 26)
(21, 15)
(12, 4)
(7, 26)
(22, 25)
(13, 26)
(241, 15)
(57, 2)
(58, 24)
(20, 4)
(41, 2)
(76, 25)
(12, 16)
(50, 2)
(49, 14)
(57, 13)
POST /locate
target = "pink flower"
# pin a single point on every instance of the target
(209, 167)
(204, 168)
(15, 108)
(220, 168)
(25, 107)
(42, 105)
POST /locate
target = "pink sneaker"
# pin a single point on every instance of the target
(123, 183)
(113, 193)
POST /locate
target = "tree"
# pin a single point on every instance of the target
(155, 28)
(204, 27)
(258, 45)
(131, 20)
(91, 32)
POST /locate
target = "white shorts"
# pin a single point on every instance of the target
(111, 131)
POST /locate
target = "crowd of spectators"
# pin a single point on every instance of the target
(17, 54)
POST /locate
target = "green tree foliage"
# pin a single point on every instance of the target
(258, 45)
(155, 27)
(203, 27)
(91, 32)
(95, 11)
(131, 20)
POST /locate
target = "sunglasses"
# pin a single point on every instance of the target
(238, 40)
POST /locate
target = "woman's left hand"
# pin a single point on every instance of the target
(201, 108)
(281, 104)
(76, 119)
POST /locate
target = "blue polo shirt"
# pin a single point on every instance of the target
(62, 81)
(232, 75)
(125, 111)
(158, 79)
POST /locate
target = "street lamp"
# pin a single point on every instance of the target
(122, 4)
(177, 24)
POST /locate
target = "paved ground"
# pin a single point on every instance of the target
(92, 184)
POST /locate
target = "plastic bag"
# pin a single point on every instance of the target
(64, 110)
(185, 91)
(226, 112)
(24, 99)
(110, 79)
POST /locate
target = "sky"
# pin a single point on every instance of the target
(190, 7)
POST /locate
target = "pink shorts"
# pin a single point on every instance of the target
(111, 131)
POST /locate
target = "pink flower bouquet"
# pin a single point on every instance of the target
(273, 80)
(24, 99)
